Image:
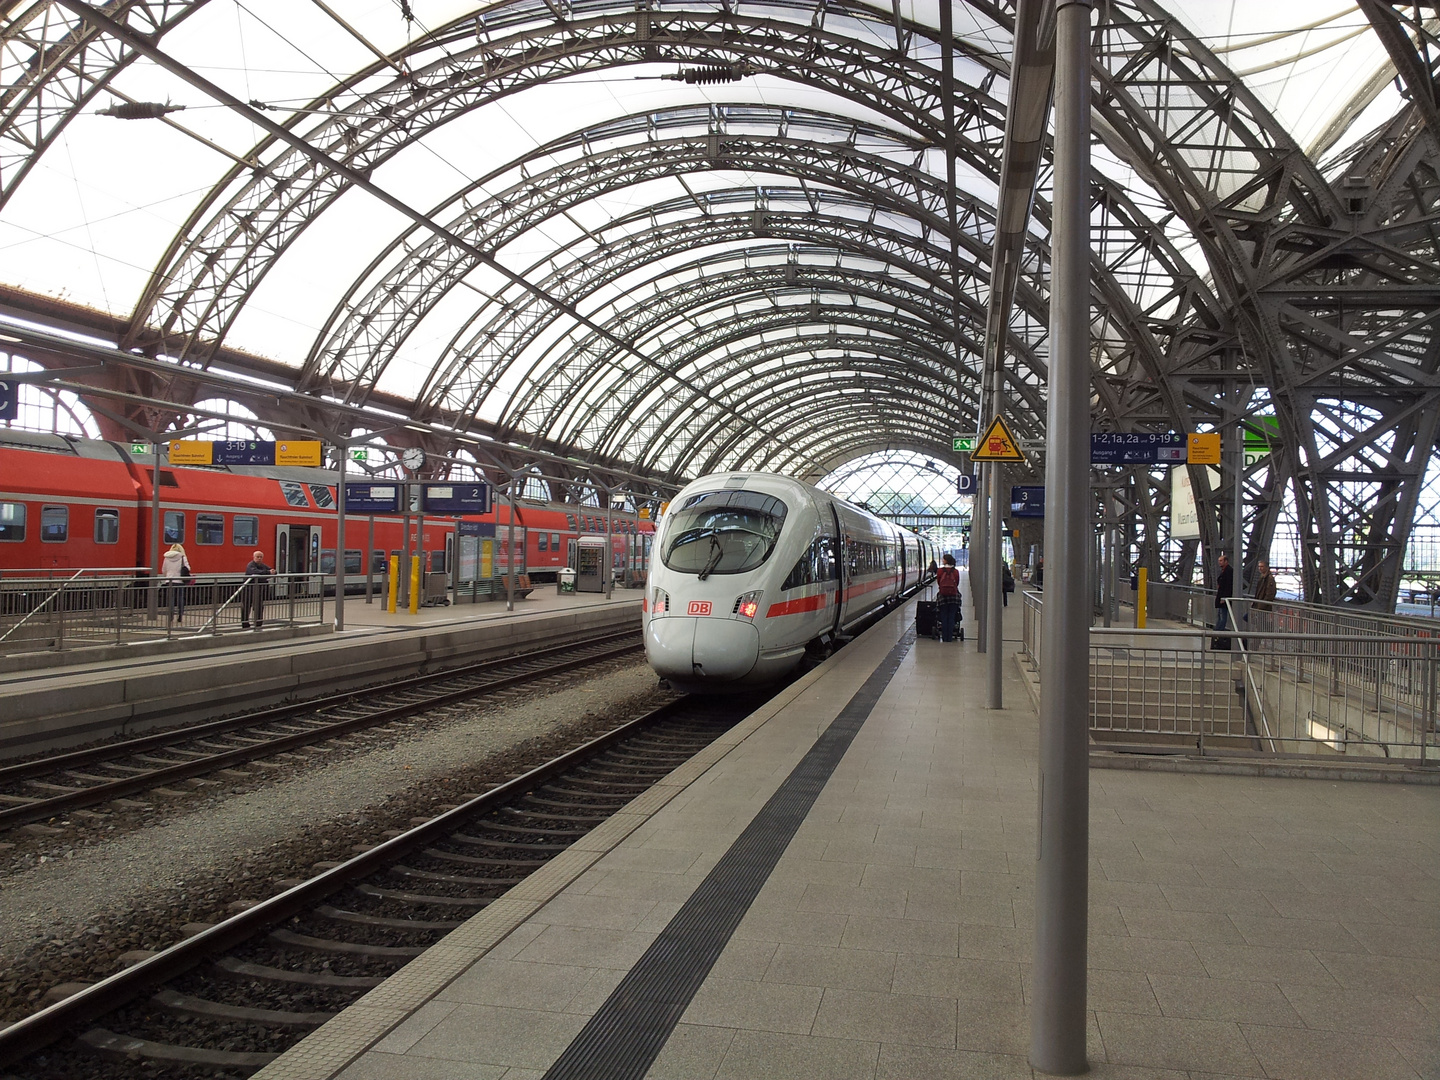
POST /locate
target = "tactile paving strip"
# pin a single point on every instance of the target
(624, 1037)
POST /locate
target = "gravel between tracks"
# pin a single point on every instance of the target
(58, 907)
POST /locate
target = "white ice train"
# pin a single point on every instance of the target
(751, 571)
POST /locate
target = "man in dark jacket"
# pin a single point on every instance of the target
(253, 598)
(1224, 589)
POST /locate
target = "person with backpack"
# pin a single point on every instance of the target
(947, 578)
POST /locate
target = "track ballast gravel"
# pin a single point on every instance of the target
(69, 912)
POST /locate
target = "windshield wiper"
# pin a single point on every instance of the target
(719, 550)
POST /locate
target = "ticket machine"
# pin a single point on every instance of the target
(591, 564)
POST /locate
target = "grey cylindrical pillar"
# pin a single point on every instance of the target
(994, 599)
(979, 548)
(343, 449)
(1057, 1029)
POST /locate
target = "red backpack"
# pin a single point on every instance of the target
(948, 578)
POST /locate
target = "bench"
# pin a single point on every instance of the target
(523, 588)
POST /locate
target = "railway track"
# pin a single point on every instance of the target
(45, 788)
(227, 1000)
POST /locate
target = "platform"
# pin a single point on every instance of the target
(132, 688)
(1239, 926)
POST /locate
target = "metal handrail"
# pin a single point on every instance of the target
(43, 605)
(215, 615)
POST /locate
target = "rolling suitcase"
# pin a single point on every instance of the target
(927, 619)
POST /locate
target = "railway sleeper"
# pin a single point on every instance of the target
(581, 801)
(185, 1005)
(525, 830)
(115, 1047)
(514, 845)
(230, 968)
(471, 860)
(292, 940)
(528, 864)
(401, 870)
(540, 815)
(361, 919)
(377, 893)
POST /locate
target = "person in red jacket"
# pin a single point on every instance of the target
(948, 580)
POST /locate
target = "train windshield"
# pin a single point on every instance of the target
(723, 532)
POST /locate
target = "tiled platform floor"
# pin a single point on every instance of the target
(1239, 927)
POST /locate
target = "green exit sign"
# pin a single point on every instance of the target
(964, 444)
(360, 454)
(139, 448)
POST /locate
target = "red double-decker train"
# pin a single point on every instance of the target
(69, 504)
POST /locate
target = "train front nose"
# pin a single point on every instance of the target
(688, 651)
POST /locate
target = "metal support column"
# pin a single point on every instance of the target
(979, 548)
(994, 584)
(342, 449)
(152, 605)
(1237, 557)
(510, 550)
(1057, 1029)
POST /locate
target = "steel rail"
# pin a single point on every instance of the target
(42, 1028)
(47, 808)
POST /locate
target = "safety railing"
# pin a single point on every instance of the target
(58, 610)
(1179, 603)
(1031, 607)
(1278, 684)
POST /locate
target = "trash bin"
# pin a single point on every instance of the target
(567, 580)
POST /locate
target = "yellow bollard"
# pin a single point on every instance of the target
(394, 583)
(414, 584)
(1141, 597)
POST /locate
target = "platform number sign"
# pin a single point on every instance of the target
(9, 400)
(452, 498)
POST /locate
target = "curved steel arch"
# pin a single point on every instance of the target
(803, 144)
(905, 344)
(233, 237)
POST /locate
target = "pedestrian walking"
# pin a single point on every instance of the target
(947, 580)
(1224, 590)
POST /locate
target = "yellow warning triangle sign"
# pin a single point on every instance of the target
(997, 444)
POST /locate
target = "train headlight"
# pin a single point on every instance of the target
(748, 606)
(660, 605)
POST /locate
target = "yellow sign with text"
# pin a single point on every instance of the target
(300, 452)
(1203, 448)
(192, 452)
(997, 444)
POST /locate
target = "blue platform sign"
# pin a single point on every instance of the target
(1027, 501)
(1136, 448)
(372, 498)
(243, 453)
(476, 528)
(9, 400)
(468, 498)
(965, 485)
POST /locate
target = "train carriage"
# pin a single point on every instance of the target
(752, 571)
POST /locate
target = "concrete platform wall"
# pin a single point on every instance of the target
(73, 707)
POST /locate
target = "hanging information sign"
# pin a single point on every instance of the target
(1136, 448)
(468, 498)
(1027, 501)
(372, 498)
(192, 452)
(9, 400)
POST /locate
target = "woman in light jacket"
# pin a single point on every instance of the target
(174, 570)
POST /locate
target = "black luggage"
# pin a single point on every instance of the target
(927, 619)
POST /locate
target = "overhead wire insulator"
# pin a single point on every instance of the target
(711, 73)
(139, 110)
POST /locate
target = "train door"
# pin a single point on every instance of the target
(841, 570)
(297, 551)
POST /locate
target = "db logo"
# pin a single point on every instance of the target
(698, 607)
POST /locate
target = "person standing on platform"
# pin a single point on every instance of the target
(1040, 573)
(947, 578)
(1007, 583)
(1224, 590)
(175, 572)
(253, 598)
